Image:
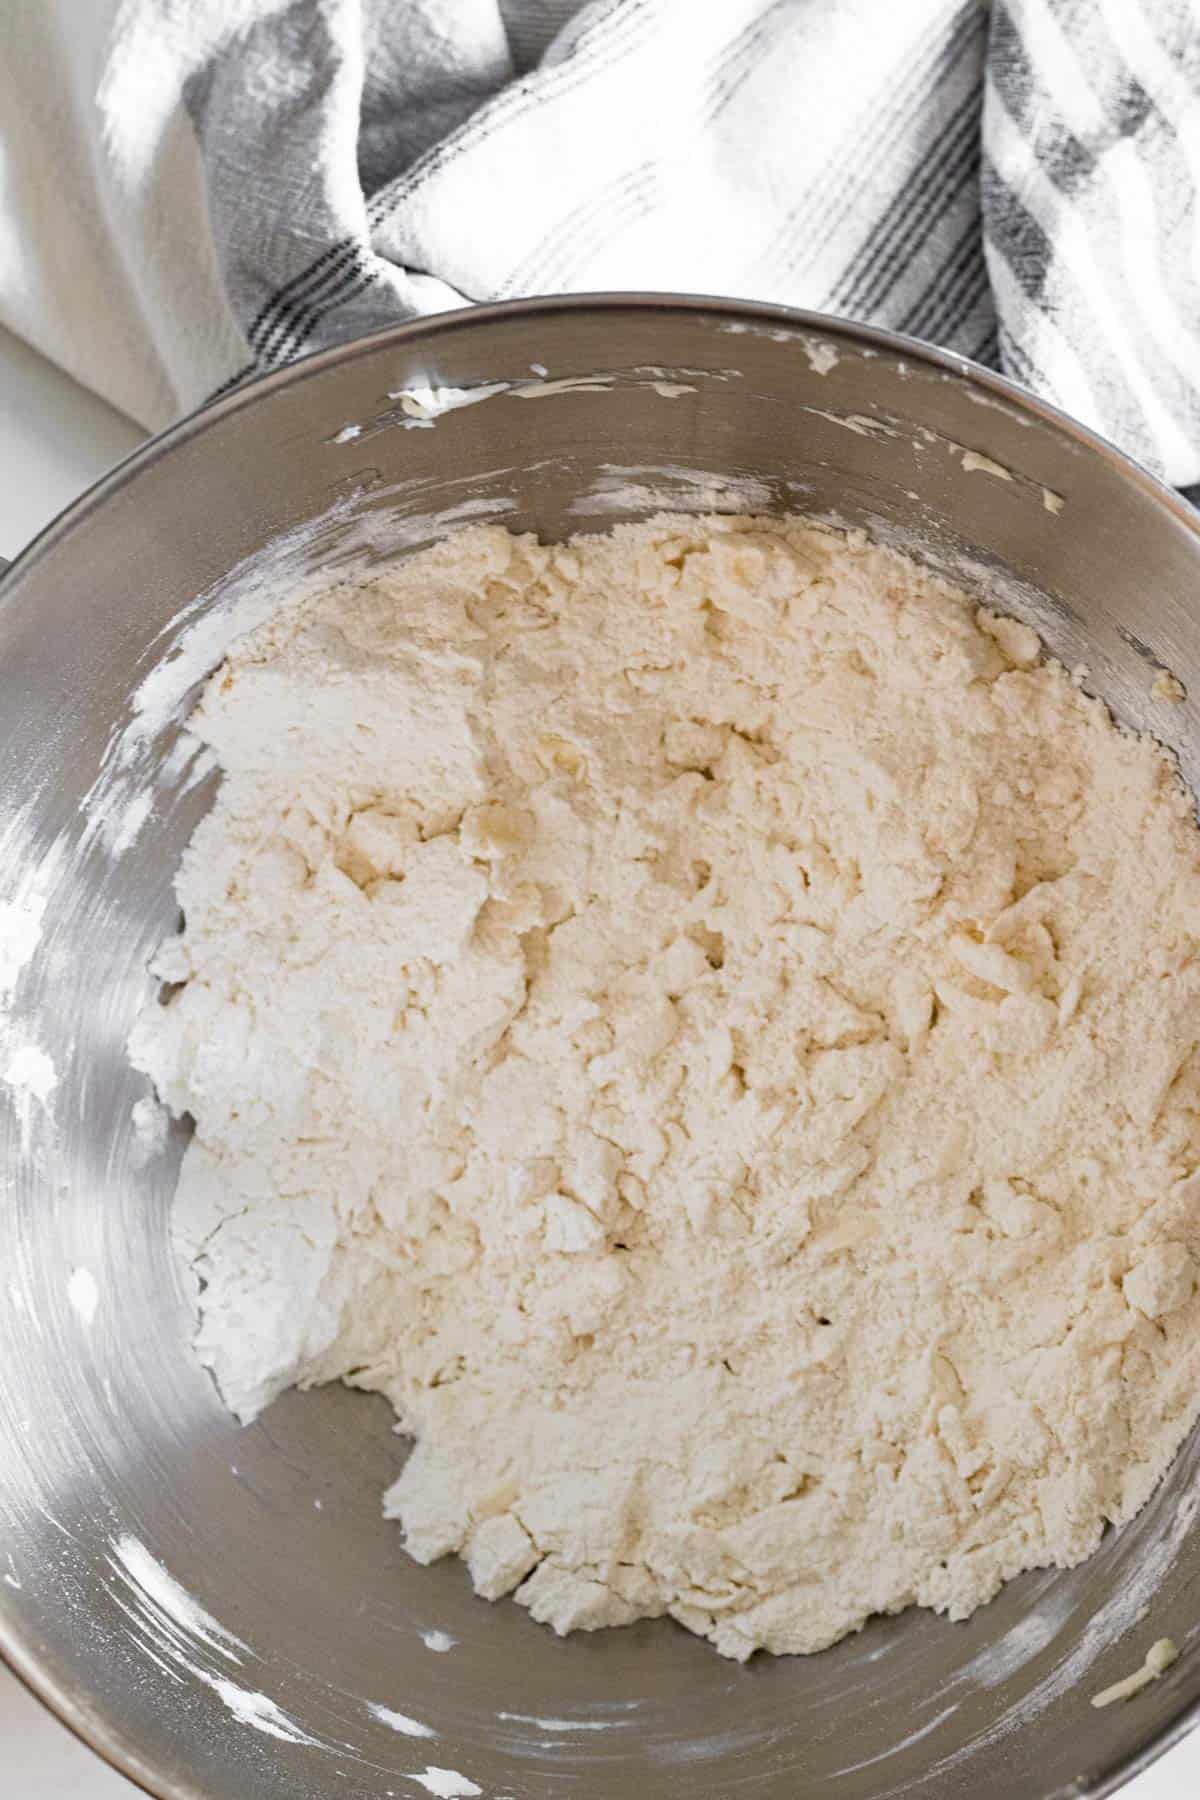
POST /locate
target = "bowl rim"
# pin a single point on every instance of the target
(84, 1720)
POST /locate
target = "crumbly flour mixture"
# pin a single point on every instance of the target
(707, 1024)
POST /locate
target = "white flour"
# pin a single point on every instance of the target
(709, 1028)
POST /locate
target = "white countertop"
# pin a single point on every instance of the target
(54, 440)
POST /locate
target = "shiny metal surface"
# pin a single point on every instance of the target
(223, 1613)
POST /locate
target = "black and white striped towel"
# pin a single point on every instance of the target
(194, 189)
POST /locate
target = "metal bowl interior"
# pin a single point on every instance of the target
(224, 1612)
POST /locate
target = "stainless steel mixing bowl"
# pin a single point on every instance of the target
(224, 1614)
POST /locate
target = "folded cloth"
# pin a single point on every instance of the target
(195, 190)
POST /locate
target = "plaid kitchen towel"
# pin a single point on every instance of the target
(194, 190)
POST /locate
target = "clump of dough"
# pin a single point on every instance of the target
(704, 1021)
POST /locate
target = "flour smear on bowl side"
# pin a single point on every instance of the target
(704, 1019)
